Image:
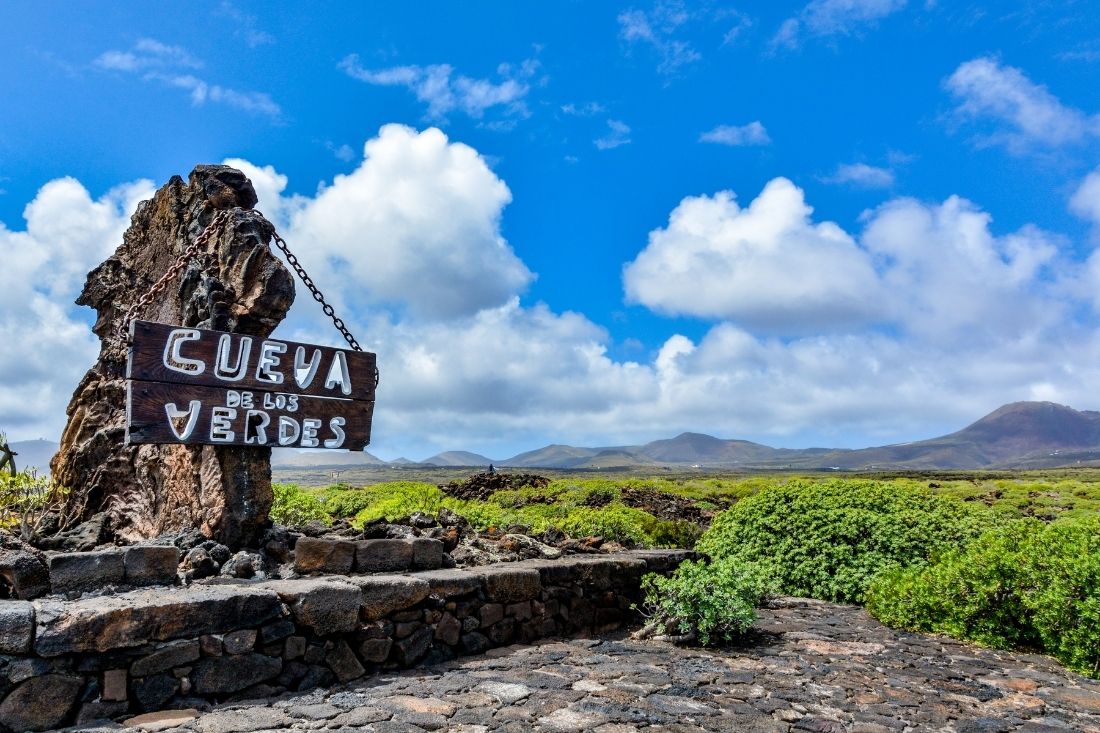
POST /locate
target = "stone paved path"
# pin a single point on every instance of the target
(811, 667)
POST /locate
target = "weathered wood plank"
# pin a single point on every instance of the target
(162, 353)
(193, 414)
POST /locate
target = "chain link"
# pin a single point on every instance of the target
(317, 295)
(197, 247)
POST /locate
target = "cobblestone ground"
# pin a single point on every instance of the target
(810, 667)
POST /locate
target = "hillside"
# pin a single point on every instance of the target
(457, 458)
(1017, 435)
(34, 454)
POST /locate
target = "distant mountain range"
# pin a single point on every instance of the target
(1017, 435)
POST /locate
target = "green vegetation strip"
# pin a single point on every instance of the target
(1001, 560)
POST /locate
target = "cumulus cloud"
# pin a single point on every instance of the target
(920, 321)
(618, 134)
(49, 340)
(443, 91)
(172, 66)
(936, 271)
(825, 18)
(861, 174)
(735, 135)
(1018, 112)
(416, 226)
(766, 265)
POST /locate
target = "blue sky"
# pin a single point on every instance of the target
(522, 207)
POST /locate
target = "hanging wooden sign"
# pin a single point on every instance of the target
(196, 386)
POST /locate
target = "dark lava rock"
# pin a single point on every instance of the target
(221, 675)
(24, 573)
(40, 703)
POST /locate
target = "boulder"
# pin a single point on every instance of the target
(427, 554)
(16, 627)
(138, 617)
(505, 584)
(380, 556)
(222, 675)
(23, 570)
(317, 555)
(152, 564)
(80, 571)
(384, 594)
(40, 703)
(326, 606)
(242, 287)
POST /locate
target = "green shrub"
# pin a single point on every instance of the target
(713, 602)
(827, 540)
(395, 500)
(293, 506)
(1063, 593)
(976, 593)
(27, 500)
(1024, 584)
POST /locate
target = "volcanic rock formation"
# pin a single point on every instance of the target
(239, 287)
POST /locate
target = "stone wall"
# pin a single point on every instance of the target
(102, 657)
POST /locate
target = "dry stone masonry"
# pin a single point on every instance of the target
(81, 658)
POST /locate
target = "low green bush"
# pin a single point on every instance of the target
(828, 539)
(975, 593)
(1025, 584)
(710, 603)
(293, 506)
(1063, 567)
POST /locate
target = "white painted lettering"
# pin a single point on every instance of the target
(221, 424)
(303, 372)
(310, 426)
(269, 359)
(254, 423)
(236, 373)
(336, 425)
(289, 430)
(338, 374)
(176, 417)
(176, 361)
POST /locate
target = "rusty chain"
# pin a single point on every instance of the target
(200, 245)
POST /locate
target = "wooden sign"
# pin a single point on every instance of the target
(195, 386)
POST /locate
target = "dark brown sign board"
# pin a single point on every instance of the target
(197, 386)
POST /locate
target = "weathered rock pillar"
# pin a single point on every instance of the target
(240, 287)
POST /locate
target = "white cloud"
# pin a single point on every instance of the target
(825, 18)
(916, 324)
(416, 225)
(656, 28)
(444, 92)
(1086, 199)
(583, 110)
(935, 271)
(1020, 111)
(148, 53)
(618, 134)
(751, 134)
(172, 65)
(48, 340)
(766, 265)
(861, 174)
